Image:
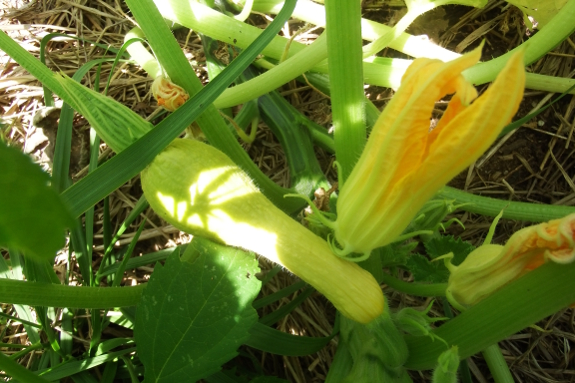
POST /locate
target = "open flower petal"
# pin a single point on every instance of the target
(404, 164)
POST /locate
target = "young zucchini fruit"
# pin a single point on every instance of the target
(199, 190)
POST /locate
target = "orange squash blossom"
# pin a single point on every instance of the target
(405, 163)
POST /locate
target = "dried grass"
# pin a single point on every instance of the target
(532, 164)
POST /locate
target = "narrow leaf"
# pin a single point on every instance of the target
(267, 339)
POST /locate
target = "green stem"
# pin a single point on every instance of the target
(554, 33)
(497, 364)
(557, 30)
(343, 28)
(419, 289)
(276, 77)
(130, 368)
(246, 10)
(201, 18)
(549, 83)
(522, 211)
(140, 54)
(375, 73)
(52, 295)
(414, 11)
(314, 13)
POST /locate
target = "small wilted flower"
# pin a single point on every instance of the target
(489, 267)
(168, 94)
(404, 163)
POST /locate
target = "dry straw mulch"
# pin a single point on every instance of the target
(535, 163)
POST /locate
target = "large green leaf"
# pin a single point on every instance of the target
(33, 218)
(195, 314)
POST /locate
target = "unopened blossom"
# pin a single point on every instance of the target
(489, 267)
(405, 163)
(168, 94)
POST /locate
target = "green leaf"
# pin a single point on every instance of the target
(442, 245)
(70, 368)
(195, 314)
(424, 270)
(395, 254)
(33, 218)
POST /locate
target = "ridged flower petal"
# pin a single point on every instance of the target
(404, 163)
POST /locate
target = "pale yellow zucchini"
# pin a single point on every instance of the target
(199, 190)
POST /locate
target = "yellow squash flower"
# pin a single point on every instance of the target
(489, 267)
(405, 163)
(168, 94)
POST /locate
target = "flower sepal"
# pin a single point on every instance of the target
(417, 323)
(432, 215)
(447, 365)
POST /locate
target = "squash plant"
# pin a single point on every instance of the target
(198, 308)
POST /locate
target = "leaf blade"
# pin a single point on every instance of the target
(34, 207)
(194, 315)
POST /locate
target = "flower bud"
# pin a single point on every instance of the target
(489, 267)
(432, 214)
(447, 365)
(417, 323)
